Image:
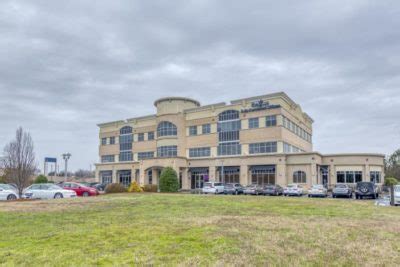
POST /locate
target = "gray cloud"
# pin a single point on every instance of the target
(66, 66)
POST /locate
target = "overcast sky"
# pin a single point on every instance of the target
(67, 65)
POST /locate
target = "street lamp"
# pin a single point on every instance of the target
(66, 157)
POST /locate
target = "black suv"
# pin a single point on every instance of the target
(367, 189)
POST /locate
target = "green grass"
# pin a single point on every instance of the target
(162, 229)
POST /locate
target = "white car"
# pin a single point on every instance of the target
(47, 191)
(397, 195)
(318, 190)
(213, 188)
(293, 190)
(7, 192)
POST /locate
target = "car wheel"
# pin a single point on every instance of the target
(58, 195)
(11, 197)
(85, 194)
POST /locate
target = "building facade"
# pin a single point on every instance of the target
(265, 140)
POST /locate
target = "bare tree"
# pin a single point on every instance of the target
(19, 160)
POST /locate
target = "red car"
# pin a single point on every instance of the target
(81, 190)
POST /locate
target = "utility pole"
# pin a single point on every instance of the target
(66, 157)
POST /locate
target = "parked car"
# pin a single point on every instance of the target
(272, 190)
(8, 192)
(233, 189)
(99, 187)
(342, 190)
(294, 190)
(397, 195)
(213, 188)
(253, 189)
(367, 189)
(318, 190)
(81, 190)
(47, 191)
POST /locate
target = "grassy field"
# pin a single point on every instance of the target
(159, 229)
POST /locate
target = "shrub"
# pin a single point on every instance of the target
(115, 188)
(169, 180)
(41, 179)
(390, 181)
(134, 188)
(150, 188)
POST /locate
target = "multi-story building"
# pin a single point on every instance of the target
(264, 139)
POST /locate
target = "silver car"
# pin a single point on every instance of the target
(253, 189)
(342, 190)
(318, 190)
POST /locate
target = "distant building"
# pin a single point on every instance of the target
(264, 139)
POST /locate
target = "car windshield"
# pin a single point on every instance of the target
(341, 186)
(251, 186)
(218, 184)
(229, 186)
(207, 184)
(269, 187)
(292, 186)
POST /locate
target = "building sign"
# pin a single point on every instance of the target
(52, 160)
(260, 105)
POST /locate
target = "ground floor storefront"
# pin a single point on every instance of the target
(282, 169)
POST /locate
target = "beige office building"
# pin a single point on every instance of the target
(264, 139)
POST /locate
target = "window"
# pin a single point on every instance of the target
(228, 115)
(206, 128)
(268, 147)
(141, 137)
(229, 133)
(125, 139)
(270, 121)
(166, 128)
(349, 177)
(125, 130)
(150, 136)
(145, 155)
(112, 140)
(375, 177)
(291, 126)
(231, 148)
(199, 152)
(125, 156)
(193, 130)
(107, 158)
(106, 177)
(288, 148)
(103, 141)
(299, 177)
(340, 177)
(253, 123)
(167, 151)
(124, 177)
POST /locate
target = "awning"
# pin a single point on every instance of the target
(268, 168)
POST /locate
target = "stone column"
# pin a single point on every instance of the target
(244, 175)
(114, 176)
(281, 178)
(185, 179)
(142, 174)
(366, 176)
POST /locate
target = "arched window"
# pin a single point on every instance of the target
(228, 115)
(125, 130)
(299, 177)
(166, 128)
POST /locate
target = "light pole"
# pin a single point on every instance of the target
(66, 157)
(222, 171)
